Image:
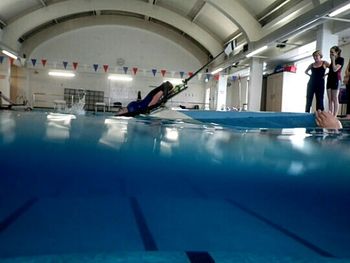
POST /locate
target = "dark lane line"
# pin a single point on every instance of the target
(283, 230)
(146, 235)
(17, 213)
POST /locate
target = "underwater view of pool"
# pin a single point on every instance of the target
(99, 188)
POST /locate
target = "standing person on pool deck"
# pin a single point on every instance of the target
(334, 76)
(316, 82)
(347, 84)
(154, 99)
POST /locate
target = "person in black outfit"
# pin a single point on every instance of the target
(315, 85)
(154, 99)
(334, 76)
(347, 83)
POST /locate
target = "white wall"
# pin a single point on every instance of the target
(5, 71)
(237, 93)
(106, 45)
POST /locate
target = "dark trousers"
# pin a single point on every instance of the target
(319, 93)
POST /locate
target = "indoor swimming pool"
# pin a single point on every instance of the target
(96, 188)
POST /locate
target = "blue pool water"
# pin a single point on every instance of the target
(99, 188)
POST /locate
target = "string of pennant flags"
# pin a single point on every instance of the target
(133, 70)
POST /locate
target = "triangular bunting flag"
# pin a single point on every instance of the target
(163, 71)
(105, 68)
(190, 74)
(65, 63)
(75, 65)
(1, 59)
(154, 71)
(216, 77)
(95, 67)
(125, 69)
(11, 60)
(43, 61)
(182, 74)
(208, 76)
(134, 70)
(33, 61)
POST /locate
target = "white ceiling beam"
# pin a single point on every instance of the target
(43, 3)
(240, 16)
(275, 9)
(336, 19)
(3, 23)
(38, 17)
(200, 8)
(301, 24)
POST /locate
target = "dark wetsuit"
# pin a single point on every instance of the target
(315, 86)
(141, 107)
(334, 77)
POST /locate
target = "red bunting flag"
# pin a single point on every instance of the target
(43, 61)
(163, 71)
(134, 70)
(105, 68)
(190, 74)
(11, 61)
(216, 77)
(75, 65)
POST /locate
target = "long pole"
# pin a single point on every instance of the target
(182, 87)
(199, 70)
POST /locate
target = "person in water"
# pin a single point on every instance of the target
(154, 99)
(327, 120)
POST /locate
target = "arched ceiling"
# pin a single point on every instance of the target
(207, 24)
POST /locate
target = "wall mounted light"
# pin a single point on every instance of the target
(63, 74)
(117, 77)
(8, 53)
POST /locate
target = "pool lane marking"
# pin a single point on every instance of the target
(150, 244)
(146, 235)
(17, 213)
(283, 230)
(199, 257)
